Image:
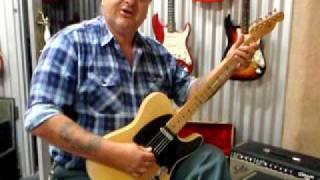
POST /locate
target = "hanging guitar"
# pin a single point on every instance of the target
(175, 42)
(158, 127)
(257, 67)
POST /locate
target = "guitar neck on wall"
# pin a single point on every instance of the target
(257, 67)
(175, 42)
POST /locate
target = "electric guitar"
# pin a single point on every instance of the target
(158, 127)
(175, 42)
(257, 67)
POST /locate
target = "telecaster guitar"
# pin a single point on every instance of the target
(175, 42)
(158, 127)
(257, 67)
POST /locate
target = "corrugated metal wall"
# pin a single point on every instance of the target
(14, 81)
(256, 108)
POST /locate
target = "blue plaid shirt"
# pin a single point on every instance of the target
(84, 74)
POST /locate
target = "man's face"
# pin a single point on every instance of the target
(125, 15)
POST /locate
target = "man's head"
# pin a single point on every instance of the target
(125, 15)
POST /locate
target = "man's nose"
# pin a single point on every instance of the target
(131, 2)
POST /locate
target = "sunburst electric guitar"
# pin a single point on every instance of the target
(175, 42)
(157, 123)
(257, 67)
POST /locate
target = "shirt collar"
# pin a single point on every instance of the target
(106, 35)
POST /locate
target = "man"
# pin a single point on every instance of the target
(91, 79)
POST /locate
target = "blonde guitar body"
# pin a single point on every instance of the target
(155, 105)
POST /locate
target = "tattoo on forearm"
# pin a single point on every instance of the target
(92, 145)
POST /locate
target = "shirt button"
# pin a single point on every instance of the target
(104, 83)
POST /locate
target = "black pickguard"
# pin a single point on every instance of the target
(175, 151)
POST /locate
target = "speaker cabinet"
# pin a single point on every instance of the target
(252, 160)
(8, 151)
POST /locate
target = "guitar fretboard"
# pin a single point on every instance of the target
(245, 16)
(171, 18)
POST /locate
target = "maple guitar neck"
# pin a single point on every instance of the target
(216, 79)
(218, 76)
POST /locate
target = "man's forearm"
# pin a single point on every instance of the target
(64, 133)
(69, 136)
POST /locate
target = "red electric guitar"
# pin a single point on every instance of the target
(175, 42)
(257, 66)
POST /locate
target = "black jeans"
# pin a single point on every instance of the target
(61, 173)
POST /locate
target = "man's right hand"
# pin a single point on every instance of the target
(132, 158)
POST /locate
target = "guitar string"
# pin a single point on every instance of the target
(154, 140)
(163, 144)
(158, 143)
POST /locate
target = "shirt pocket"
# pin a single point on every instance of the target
(103, 93)
(156, 83)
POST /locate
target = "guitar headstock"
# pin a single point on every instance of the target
(265, 25)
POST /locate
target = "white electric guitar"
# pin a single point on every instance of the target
(174, 41)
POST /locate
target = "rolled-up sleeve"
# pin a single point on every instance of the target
(53, 82)
(38, 114)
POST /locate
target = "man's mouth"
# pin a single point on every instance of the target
(127, 12)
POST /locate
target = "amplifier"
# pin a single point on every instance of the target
(257, 161)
